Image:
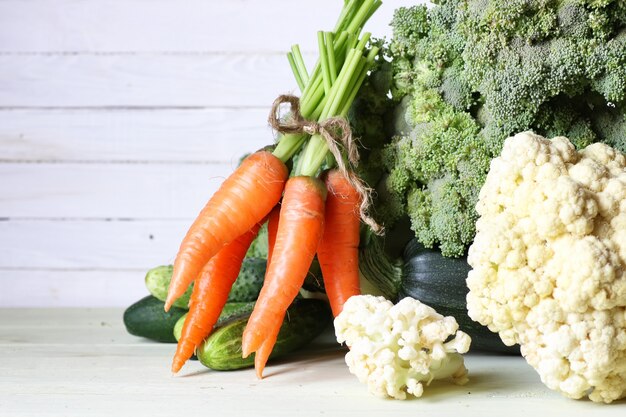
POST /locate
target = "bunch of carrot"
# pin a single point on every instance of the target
(309, 210)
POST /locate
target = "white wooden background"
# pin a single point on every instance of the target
(119, 118)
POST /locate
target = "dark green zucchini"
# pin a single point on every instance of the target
(305, 320)
(381, 270)
(147, 318)
(439, 282)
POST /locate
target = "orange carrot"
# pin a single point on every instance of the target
(299, 232)
(338, 252)
(263, 353)
(210, 294)
(243, 200)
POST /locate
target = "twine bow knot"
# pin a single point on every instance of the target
(337, 134)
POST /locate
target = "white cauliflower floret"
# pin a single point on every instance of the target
(549, 262)
(396, 349)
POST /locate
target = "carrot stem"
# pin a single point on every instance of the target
(315, 150)
(297, 56)
(296, 73)
(332, 65)
(324, 62)
(288, 145)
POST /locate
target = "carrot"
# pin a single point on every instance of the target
(299, 232)
(263, 353)
(210, 294)
(338, 252)
(243, 200)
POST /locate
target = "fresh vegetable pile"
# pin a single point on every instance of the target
(494, 234)
(311, 209)
(464, 76)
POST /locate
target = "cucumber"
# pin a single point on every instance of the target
(258, 247)
(178, 327)
(147, 318)
(158, 282)
(305, 320)
(234, 310)
(230, 311)
(249, 282)
(246, 288)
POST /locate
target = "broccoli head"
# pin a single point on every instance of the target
(463, 76)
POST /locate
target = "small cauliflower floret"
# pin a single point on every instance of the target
(549, 262)
(397, 349)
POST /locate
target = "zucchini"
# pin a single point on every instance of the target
(246, 288)
(147, 318)
(382, 271)
(305, 320)
(439, 282)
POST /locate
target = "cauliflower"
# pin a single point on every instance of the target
(396, 349)
(549, 262)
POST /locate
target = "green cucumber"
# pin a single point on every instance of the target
(178, 327)
(249, 282)
(147, 318)
(158, 282)
(305, 320)
(246, 287)
(258, 247)
(230, 311)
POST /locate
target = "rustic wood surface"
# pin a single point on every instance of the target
(81, 362)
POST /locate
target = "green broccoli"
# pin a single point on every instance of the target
(465, 75)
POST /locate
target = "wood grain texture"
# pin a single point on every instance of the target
(100, 190)
(118, 119)
(72, 288)
(81, 362)
(191, 26)
(151, 136)
(88, 245)
(144, 80)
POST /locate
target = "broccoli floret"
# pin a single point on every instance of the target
(438, 169)
(409, 26)
(467, 74)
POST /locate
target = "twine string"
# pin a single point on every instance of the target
(337, 134)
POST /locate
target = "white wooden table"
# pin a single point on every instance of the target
(81, 362)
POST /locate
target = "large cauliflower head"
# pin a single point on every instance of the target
(549, 262)
(398, 349)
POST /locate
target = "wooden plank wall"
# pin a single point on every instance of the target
(118, 119)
